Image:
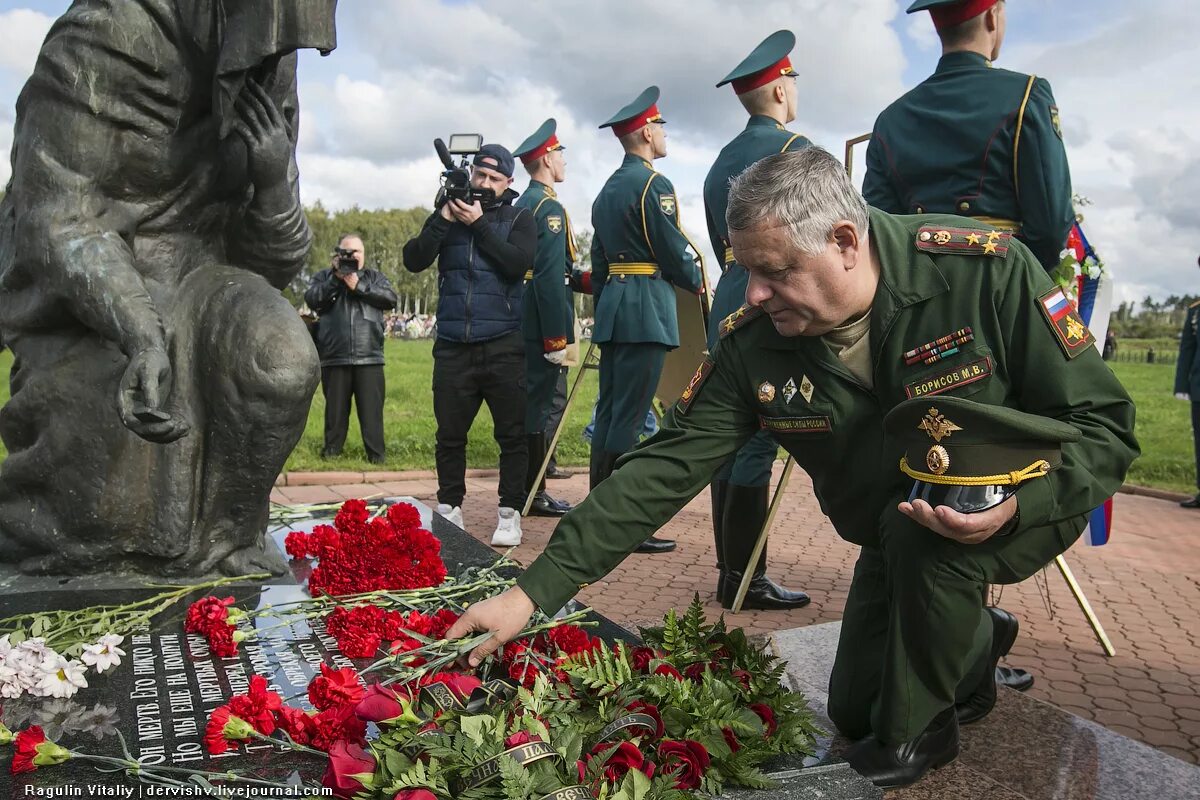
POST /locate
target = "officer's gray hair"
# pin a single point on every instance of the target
(807, 190)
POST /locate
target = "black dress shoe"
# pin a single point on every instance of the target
(546, 506)
(377, 459)
(554, 473)
(1193, 503)
(764, 594)
(890, 767)
(655, 545)
(981, 701)
(1013, 678)
(327, 453)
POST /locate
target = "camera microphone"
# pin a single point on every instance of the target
(443, 153)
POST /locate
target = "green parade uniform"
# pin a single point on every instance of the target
(639, 254)
(741, 489)
(1187, 382)
(547, 324)
(976, 141)
(960, 310)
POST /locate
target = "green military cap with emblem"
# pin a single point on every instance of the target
(544, 140)
(765, 63)
(636, 115)
(973, 456)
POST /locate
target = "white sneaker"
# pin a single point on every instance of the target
(453, 515)
(508, 528)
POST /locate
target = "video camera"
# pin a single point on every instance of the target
(456, 180)
(345, 261)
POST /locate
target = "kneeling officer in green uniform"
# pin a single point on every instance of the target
(942, 308)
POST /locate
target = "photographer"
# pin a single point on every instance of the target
(483, 249)
(351, 302)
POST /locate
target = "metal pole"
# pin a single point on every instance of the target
(748, 572)
(584, 366)
(1085, 606)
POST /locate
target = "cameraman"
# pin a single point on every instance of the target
(351, 302)
(483, 250)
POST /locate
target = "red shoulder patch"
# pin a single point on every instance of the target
(693, 388)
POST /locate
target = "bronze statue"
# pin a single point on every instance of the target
(160, 378)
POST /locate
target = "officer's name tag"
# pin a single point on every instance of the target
(949, 378)
(814, 424)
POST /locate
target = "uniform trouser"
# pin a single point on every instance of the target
(1196, 437)
(629, 376)
(464, 377)
(557, 407)
(366, 385)
(751, 466)
(915, 636)
(541, 377)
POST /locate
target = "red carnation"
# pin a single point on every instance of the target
(296, 544)
(221, 643)
(404, 515)
(338, 724)
(297, 724)
(641, 707)
(223, 728)
(348, 763)
(258, 706)
(686, 759)
(25, 749)
(624, 757)
(335, 688)
(766, 715)
(207, 613)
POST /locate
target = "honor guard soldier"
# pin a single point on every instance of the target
(973, 140)
(548, 323)
(765, 84)
(1187, 383)
(639, 254)
(954, 312)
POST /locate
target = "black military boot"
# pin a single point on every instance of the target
(543, 504)
(983, 698)
(716, 491)
(893, 766)
(744, 513)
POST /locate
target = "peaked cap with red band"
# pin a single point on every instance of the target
(638, 114)
(765, 63)
(948, 13)
(542, 141)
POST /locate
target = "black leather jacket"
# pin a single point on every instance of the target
(350, 328)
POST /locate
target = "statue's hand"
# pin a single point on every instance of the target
(146, 381)
(262, 127)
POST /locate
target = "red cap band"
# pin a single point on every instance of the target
(763, 77)
(949, 16)
(546, 146)
(637, 123)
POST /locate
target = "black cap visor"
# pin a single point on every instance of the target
(965, 499)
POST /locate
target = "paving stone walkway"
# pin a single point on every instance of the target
(1144, 585)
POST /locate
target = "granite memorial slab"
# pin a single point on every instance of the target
(160, 698)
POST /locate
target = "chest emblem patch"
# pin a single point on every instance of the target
(766, 392)
(806, 389)
(789, 390)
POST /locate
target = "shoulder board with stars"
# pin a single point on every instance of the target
(963, 241)
(740, 318)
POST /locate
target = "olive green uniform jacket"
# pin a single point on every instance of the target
(914, 629)
(976, 141)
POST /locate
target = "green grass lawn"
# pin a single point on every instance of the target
(1163, 423)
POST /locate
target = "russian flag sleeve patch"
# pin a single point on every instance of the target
(1073, 336)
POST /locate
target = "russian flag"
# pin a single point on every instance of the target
(1057, 304)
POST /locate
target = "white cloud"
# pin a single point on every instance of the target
(21, 33)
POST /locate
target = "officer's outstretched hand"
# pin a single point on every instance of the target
(962, 528)
(504, 616)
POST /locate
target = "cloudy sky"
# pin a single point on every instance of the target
(406, 71)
